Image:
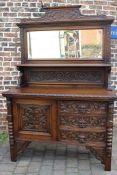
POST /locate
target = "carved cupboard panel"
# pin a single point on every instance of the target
(34, 116)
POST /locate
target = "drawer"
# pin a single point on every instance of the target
(82, 121)
(82, 108)
(85, 137)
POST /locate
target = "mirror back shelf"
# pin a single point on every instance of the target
(62, 35)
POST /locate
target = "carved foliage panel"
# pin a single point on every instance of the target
(82, 121)
(54, 15)
(34, 117)
(76, 76)
(82, 137)
(82, 108)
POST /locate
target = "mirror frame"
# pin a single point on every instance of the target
(61, 28)
(69, 22)
(80, 45)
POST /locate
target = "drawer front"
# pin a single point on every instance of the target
(82, 107)
(82, 114)
(82, 121)
(82, 137)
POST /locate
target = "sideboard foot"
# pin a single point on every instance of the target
(13, 153)
(17, 149)
(108, 164)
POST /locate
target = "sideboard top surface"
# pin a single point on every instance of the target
(64, 93)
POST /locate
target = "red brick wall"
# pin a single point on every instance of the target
(11, 11)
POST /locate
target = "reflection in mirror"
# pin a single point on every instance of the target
(65, 44)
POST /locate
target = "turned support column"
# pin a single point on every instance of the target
(109, 134)
(13, 148)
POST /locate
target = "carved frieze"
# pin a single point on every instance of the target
(82, 137)
(85, 108)
(66, 76)
(34, 117)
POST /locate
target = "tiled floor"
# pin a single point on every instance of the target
(48, 159)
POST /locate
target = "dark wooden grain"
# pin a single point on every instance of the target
(63, 101)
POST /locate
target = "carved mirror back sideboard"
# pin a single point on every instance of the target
(63, 94)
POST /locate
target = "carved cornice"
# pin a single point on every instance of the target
(64, 14)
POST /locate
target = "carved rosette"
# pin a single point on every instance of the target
(35, 117)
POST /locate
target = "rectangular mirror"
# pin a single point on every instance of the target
(65, 44)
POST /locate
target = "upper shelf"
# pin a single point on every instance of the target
(64, 65)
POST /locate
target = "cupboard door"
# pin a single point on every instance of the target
(34, 119)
